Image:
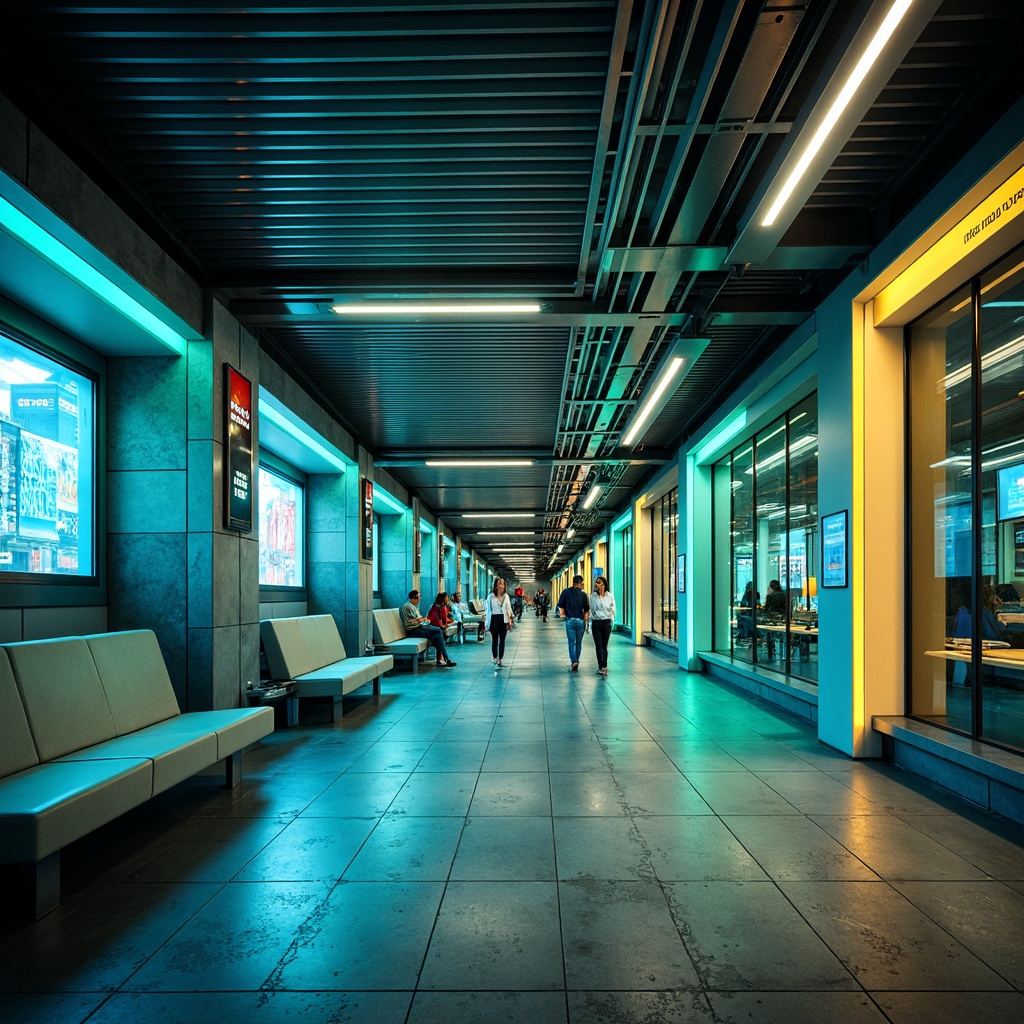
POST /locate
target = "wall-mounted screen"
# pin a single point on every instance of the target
(282, 530)
(1010, 484)
(47, 464)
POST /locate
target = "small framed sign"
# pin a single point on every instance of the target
(681, 574)
(366, 520)
(834, 549)
(238, 464)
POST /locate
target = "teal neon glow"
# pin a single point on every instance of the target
(425, 527)
(304, 437)
(623, 521)
(689, 646)
(385, 499)
(721, 436)
(72, 265)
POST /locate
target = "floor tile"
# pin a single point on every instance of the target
(748, 936)
(605, 848)
(696, 848)
(309, 849)
(435, 793)
(667, 1007)
(496, 935)
(488, 1007)
(407, 849)
(366, 935)
(986, 917)
(885, 941)
(512, 793)
(952, 1007)
(795, 848)
(494, 848)
(596, 915)
(787, 1007)
(894, 849)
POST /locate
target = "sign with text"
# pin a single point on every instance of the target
(366, 522)
(238, 461)
(834, 553)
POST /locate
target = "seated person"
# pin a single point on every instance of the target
(745, 620)
(774, 608)
(457, 613)
(419, 625)
(439, 614)
(775, 599)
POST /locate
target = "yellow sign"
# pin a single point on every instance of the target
(978, 228)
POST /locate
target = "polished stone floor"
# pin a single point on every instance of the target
(540, 846)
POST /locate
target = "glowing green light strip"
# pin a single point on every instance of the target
(73, 266)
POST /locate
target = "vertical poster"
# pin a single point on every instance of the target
(834, 550)
(366, 524)
(238, 464)
(417, 549)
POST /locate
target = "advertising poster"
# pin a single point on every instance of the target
(366, 526)
(238, 464)
(833, 550)
(44, 488)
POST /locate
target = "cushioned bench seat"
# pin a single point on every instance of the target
(308, 650)
(388, 632)
(90, 728)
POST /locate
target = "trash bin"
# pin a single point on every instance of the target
(280, 697)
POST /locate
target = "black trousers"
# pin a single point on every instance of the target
(499, 628)
(602, 630)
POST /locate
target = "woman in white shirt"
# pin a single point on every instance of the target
(602, 614)
(498, 619)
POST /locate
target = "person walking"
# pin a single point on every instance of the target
(575, 609)
(419, 625)
(498, 619)
(602, 614)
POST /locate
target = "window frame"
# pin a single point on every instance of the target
(49, 590)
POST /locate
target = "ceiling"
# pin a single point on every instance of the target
(601, 159)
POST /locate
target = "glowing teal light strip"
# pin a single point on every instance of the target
(73, 266)
(719, 438)
(304, 437)
(385, 499)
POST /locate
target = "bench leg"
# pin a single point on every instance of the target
(45, 884)
(376, 686)
(336, 709)
(233, 769)
(415, 664)
(292, 711)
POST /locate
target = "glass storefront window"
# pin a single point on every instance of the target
(765, 532)
(624, 591)
(966, 539)
(282, 530)
(47, 464)
(664, 531)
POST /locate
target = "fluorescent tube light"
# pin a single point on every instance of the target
(839, 104)
(304, 436)
(457, 308)
(478, 462)
(592, 496)
(507, 533)
(501, 515)
(667, 377)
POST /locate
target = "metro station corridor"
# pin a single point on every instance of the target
(536, 845)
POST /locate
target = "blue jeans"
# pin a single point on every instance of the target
(574, 633)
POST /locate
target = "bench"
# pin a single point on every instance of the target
(89, 729)
(473, 620)
(389, 634)
(308, 650)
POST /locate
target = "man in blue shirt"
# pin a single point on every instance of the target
(575, 608)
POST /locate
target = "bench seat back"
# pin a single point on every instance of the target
(298, 645)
